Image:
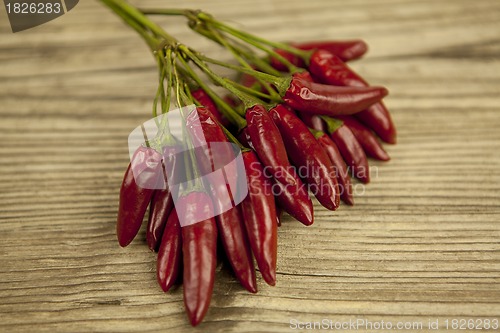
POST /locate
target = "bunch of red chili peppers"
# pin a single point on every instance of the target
(305, 123)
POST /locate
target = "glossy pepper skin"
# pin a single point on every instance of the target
(268, 144)
(237, 247)
(343, 178)
(215, 153)
(259, 214)
(162, 202)
(160, 208)
(199, 251)
(134, 199)
(168, 263)
(331, 69)
(202, 97)
(306, 153)
(366, 139)
(295, 200)
(346, 50)
(323, 99)
(352, 152)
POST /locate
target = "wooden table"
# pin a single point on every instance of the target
(421, 243)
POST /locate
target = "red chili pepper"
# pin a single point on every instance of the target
(295, 200)
(168, 263)
(134, 199)
(244, 138)
(268, 144)
(279, 215)
(199, 250)
(237, 247)
(162, 202)
(352, 152)
(259, 214)
(332, 70)
(345, 50)
(217, 154)
(330, 100)
(343, 178)
(306, 153)
(377, 118)
(366, 139)
(202, 97)
(159, 209)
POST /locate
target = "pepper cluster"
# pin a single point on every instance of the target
(305, 123)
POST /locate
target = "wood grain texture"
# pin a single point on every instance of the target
(421, 242)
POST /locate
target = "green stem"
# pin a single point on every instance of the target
(332, 124)
(226, 109)
(247, 100)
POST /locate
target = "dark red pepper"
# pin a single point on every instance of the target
(259, 214)
(135, 194)
(323, 99)
(160, 208)
(352, 152)
(331, 69)
(237, 247)
(295, 200)
(202, 97)
(343, 178)
(168, 263)
(199, 250)
(306, 153)
(268, 144)
(366, 138)
(345, 50)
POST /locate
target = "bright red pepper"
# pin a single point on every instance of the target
(168, 263)
(343, 178)
(199, 250)
(259, 214)
(332, 70)
(306, 153)
(237, 247)
(366, 139)
(323, 99)
(268, 144)
(134, 199)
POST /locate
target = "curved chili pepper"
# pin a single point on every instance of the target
(237, 248)
(352, 152)
(168, 263)
(306, 153)
(199, 250)
(332, 70)
(259, 214)
(343, 178)
(202, 97)
(330, 100)
(134, 199)
(159, 209)
(295, 200)
(268, 144)
(345, 50)
(366, 139)
(378, 118)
